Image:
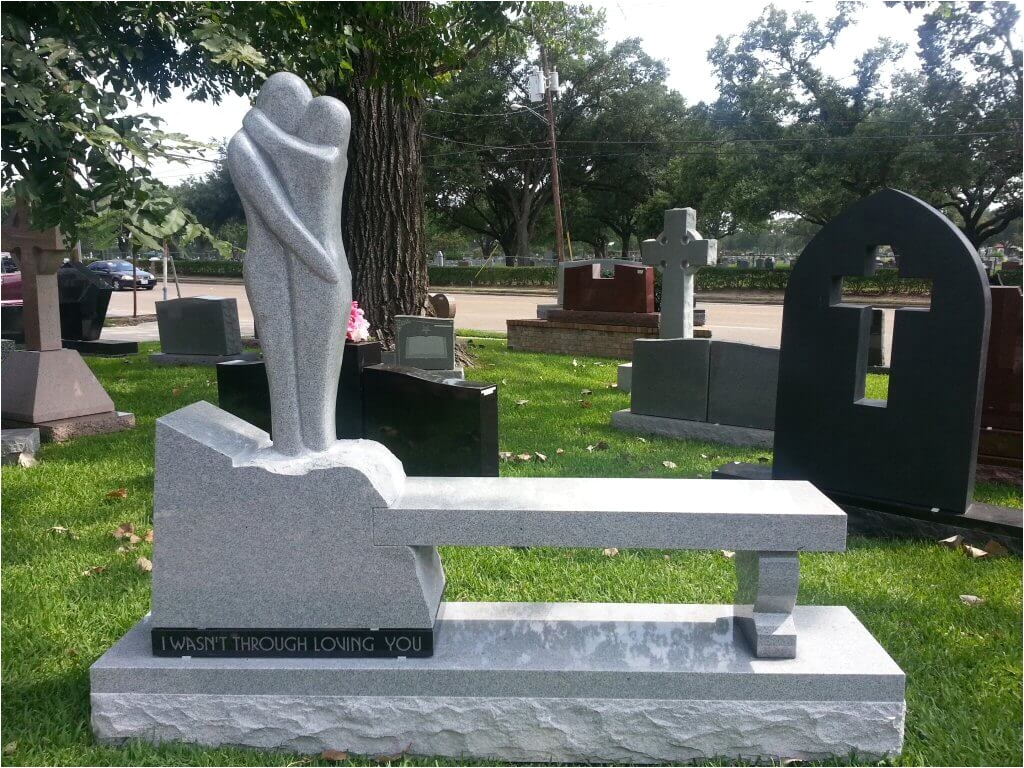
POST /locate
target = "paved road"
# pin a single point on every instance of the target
(749, 323)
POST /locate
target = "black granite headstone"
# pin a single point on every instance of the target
(199, 325)
(917, 449)
(12, 322)
(242, 389)
(436, 426)
(84, 297)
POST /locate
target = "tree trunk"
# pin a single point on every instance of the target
(383, 220)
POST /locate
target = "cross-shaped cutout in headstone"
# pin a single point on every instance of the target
(680, 251)
(864, 328)
(39, 253)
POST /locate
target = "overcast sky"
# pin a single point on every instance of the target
(679, 33)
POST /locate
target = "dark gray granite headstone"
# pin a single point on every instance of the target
(84, 297)
(199, 325)
(670, 378)
(743, 380)
(918, 448)
(425, 342)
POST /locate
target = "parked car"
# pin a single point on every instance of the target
(119, 274)
(8, 264)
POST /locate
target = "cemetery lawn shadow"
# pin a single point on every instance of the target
(963, 662)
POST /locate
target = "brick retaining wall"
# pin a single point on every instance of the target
(585, 339)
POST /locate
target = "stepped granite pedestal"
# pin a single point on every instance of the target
(327, 641)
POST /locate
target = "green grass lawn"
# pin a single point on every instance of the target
(963, 663)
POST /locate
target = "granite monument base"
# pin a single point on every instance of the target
(17, 442)
(684, 429)
(62, 430)
(103, 347)
(979, 524)
(165, 358)
(532, 683)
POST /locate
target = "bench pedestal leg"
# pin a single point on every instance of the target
(768, 583)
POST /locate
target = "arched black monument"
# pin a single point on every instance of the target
(916, 450)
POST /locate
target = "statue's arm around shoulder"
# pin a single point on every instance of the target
(279, 143)
(258, 186)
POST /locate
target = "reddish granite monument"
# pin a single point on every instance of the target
(1001, 413)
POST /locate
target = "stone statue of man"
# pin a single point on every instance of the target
(288, 164)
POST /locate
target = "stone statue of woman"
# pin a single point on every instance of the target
(288, 164)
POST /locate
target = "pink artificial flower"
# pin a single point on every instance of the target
(358, 325)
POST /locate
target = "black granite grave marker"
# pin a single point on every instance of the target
(917, 449)
(436, 426)
(84, 297)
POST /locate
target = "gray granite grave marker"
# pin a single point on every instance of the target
(425, 342)
(680, 251)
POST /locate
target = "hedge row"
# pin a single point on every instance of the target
(886, 282)
(212, 268)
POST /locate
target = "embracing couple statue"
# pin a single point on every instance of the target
(288, 164)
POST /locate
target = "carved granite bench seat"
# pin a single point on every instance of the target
(766, 522)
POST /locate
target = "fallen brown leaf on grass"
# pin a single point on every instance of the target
(586, 404)
(11, 748)
(522, 402)
(559, 451)
(94, 570)
(334, 755)
(575, 363)
(176, 392)
(124, 531)
(118, 493)
(27, 460)
(728, 553)
(524, 456)
(995, 549)
(599, 446)
(953, 542)
(148, 537)
(393, 758)
(504, 455)
(540, 457)
(144, 564)
(668, 464)
(763, 460)
(610, 552)
(586, 391)
(971, 600)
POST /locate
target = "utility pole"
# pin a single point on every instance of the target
(556, 186)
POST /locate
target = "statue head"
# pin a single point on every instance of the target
(284, 98)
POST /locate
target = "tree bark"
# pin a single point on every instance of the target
(383, 220)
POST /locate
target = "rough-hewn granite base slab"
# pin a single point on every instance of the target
(531, 683)
(163, 358)
(683, 429)
(62, 430)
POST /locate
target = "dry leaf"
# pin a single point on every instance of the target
(72, 652)
(664, 557)
(995, 549)
(586, 391)
(703, 455)
(540, 457)
(524, 456)
(176, 392)
(27, 460)
(119, 493)
(762, 460)
(642, 439)
(505, 455)
(94, 570)
(575, 363)
(668, 464)
(334, 755)
(601, 446)
(133, 539)
(586, 404)
(504, 382)
(559, 451)
(522, 402)
(610, 552)
(393, 758)
(149, 536)
(11, 748)
(122, 550)
(124, 531)
(953, 542)
(728, 553)
(974, 552)
(971, 600)
(144, 564)
(60, 530)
